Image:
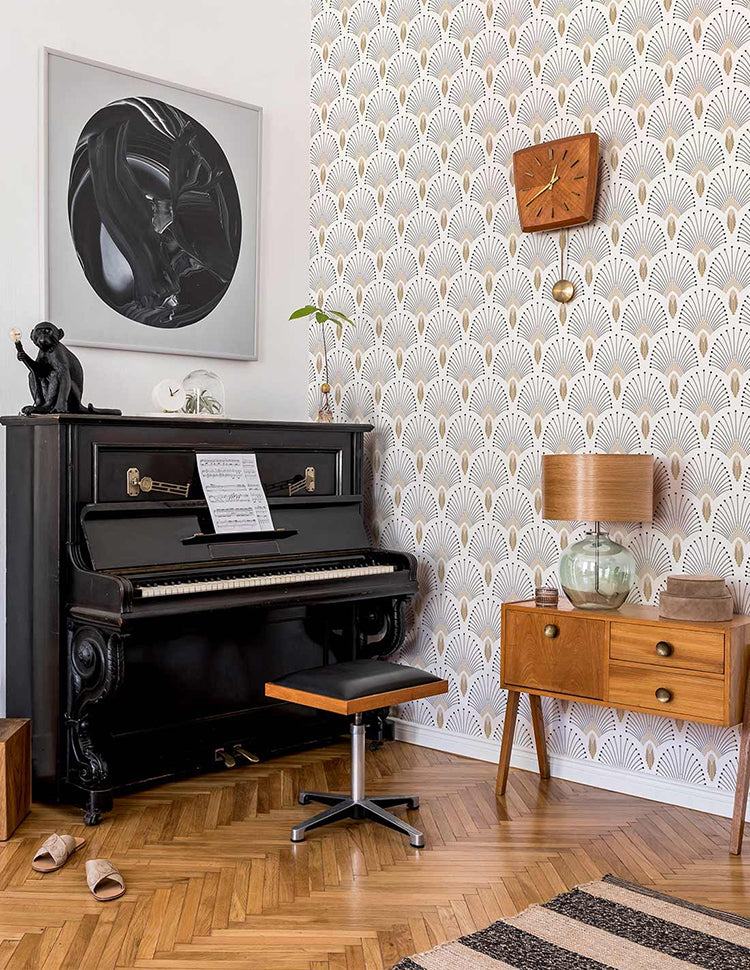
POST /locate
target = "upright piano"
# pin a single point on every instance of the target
(138, 640)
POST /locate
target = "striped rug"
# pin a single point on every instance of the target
(612, 924)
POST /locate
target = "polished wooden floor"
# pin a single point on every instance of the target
(214, 882)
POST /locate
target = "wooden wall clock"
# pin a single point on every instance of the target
(556, 182)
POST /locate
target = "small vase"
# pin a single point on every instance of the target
(325, 411)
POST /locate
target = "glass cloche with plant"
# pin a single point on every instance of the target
(205, 394)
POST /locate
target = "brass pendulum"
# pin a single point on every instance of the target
(563, 290)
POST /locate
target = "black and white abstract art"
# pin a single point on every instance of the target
(152, 212)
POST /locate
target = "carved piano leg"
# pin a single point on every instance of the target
(396, 625)
(385, 622)
(96, 660)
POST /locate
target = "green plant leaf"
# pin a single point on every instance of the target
(322, 317)
(304, 311)
(341, 316)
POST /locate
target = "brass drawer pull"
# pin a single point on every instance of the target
(551, 631)
(663, 695)
(664, 649)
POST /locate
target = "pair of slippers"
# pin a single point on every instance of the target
(103, 879)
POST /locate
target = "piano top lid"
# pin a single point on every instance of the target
(177, 421)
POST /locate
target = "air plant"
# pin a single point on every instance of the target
(325, 412)
(201, 402)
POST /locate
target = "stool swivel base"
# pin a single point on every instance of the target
(357, 804)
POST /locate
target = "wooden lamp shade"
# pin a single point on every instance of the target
(598, 488)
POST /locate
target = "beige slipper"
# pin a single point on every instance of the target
(55, 852)
(105, 882)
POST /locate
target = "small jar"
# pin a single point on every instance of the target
(206, 397)
(546, 596)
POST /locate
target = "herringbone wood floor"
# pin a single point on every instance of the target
(214, 882)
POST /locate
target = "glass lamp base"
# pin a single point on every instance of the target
(597, 573)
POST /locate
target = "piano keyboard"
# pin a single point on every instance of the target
(181, 588)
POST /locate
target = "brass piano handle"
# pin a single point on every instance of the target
(663, 695)
(306, 484)
(664, 649)
(551, 631)
(137, 483)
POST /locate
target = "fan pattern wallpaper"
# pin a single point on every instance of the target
(467, 367)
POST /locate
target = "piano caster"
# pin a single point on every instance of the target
(95, 804)
(221, 755)
(247, 755)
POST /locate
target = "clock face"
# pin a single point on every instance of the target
(169, 396)
(556, 182)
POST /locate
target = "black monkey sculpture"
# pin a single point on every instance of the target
(55, 376)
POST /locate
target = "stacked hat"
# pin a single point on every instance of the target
(703, 597)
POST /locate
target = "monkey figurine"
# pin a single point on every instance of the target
(55, 376)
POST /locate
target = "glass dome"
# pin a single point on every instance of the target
(597, 573)
(205, 394)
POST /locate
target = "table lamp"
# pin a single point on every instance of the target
(596, 572)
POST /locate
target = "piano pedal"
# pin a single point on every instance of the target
(243, 753)
(221, 755)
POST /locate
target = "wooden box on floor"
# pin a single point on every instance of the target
(15, 774)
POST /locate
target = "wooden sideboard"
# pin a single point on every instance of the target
(629, 659)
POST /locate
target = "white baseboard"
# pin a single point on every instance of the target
(571, 769)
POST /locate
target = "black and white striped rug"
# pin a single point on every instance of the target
(607, 924)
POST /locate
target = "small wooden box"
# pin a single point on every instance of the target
(15, 774)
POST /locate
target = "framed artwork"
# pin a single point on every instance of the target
(151, 207)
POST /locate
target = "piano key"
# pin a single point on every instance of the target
(211, 585)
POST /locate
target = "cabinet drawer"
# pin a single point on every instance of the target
(692, 649)
(692, 695)
(573, 661)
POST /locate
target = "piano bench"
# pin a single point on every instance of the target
(352, 688)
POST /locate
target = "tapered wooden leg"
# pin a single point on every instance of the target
(509, 729)
(537, 719)
(743, 780)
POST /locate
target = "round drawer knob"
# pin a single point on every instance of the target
(551, 631)
(664, 649)
(663, 695)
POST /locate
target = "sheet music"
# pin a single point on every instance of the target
(234, 493)
(258, 496)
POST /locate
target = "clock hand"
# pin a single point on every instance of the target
(554, 178)
(543, 189)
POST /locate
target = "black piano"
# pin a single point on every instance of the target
(138, 640)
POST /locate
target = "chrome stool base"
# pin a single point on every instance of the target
(357, 804)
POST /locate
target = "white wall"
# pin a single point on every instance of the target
(252, 50)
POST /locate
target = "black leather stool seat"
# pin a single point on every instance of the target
(356, 678)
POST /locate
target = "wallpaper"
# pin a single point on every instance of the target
(467, 367)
